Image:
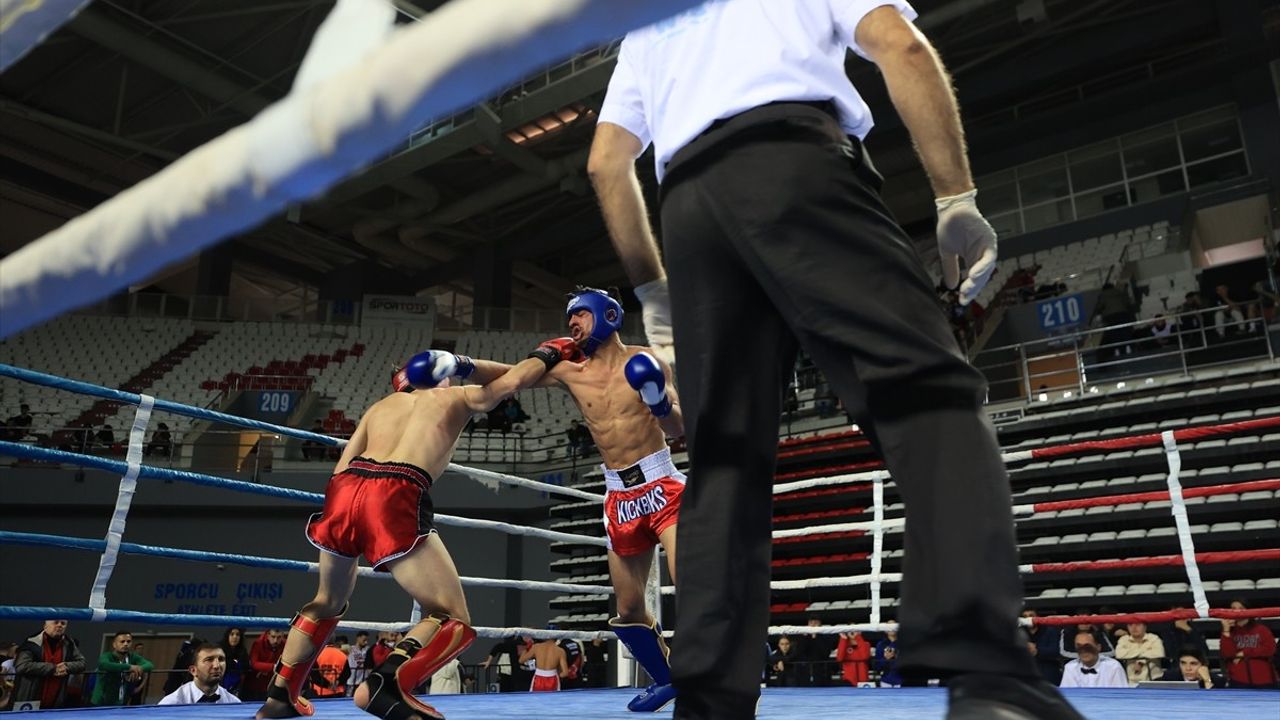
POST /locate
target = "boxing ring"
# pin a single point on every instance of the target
(777, 702)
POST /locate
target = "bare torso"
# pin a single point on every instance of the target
(420, 428)
(547, 655)
(621, 425)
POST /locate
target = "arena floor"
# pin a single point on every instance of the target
(777, 704)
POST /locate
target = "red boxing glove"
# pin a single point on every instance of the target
(557, 349)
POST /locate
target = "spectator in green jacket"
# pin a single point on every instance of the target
(117, 668)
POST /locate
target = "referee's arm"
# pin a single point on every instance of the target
(612, 169)
(920, 89)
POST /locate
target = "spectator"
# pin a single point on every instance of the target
(106, 438)
(381, 649)
(358, 661)
(515, 413)
(1247, 648)
(448, 679)
(1181, 634)
(1043, 641)
(161, 444)
(786, 663)
(1160, 331)
(1142, 653)
(263, 655)
(1194, 669)
(596, 665)
(1115, 307)
(816, 650)
(1236, 305)
(330, 672)
(17, 427)
(1190, 320)
(208, 666)
(580, 442)
(886, 662)
(44, 664)
(498, 419)
(237, 660)
(182, 663)
(1107, 646)
(313, 449)
(1090, 668)
(573, 655)
(117, 669)
(854, 655)
(7, 674)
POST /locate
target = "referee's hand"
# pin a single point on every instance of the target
(964, 233)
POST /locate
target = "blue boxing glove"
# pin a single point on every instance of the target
(645, 376)
(428, 369)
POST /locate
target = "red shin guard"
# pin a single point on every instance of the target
(392, 683)
(448, 642)
(295, 675)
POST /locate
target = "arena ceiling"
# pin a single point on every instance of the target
(130, 85)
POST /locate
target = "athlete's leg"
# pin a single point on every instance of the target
(630, 574)
(428, 574)
(668, 539)
(307, 635)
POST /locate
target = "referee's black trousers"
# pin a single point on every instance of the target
(775, 234)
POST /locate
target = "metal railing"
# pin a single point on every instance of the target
(1076, 363)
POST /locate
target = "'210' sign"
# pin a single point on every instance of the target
(1060, 312)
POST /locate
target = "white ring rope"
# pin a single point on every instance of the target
(889, 524)
(846, 479)
(528, 531)
(872, 579)
(308, 141)
(479, 474)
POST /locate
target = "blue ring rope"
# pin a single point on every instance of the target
(8, 537)
(106, 393)
(154, 473)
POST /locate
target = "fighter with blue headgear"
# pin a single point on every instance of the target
(606, 314)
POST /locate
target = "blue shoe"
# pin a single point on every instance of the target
(654, 698)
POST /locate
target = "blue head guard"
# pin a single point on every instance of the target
(606, 312)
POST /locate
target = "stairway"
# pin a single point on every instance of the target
(144, 378)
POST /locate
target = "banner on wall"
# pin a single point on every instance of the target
(420, 312)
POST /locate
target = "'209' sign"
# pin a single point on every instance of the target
(1060, 312)
(275, 403)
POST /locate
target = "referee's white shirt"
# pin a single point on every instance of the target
(677, 77)
(1109, 674)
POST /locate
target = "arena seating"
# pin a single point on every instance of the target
(1243, 521)
(109, 351)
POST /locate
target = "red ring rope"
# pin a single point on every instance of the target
(1204, 558)
(1154, 495)
(1156, 617)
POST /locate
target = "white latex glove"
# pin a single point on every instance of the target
(656, 301)
(964, 233)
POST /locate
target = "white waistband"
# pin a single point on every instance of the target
(655, 467)
(546, 673)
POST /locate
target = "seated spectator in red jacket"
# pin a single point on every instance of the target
(263, 655)
(1247, 648)
(854, 655)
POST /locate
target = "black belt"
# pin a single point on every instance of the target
(758, 118)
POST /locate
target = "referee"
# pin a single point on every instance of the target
(775, 236)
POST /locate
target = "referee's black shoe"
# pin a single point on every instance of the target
(980, 696)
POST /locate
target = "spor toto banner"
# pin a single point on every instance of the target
(398, 309)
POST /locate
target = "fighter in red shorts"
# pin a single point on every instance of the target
(550, 664)
(643, 487)
(377, 504)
